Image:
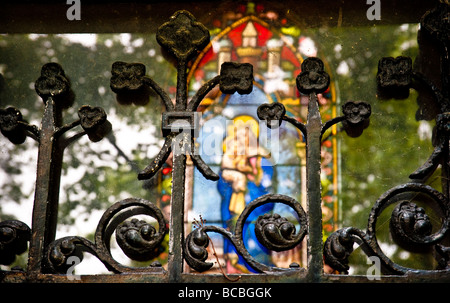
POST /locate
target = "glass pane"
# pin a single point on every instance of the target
(355, 171)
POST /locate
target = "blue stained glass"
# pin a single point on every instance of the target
(206, 197)
(256, 97)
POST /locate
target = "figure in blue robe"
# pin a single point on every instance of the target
(245, 176)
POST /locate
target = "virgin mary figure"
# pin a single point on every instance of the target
(245, 175)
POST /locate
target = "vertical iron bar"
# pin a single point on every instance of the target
(181, 98)
(446, 169)
(176, 233)
(313, 168)
(179, 143)
(45, 209)
(445, 71)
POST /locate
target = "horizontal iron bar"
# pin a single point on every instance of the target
(20, 277)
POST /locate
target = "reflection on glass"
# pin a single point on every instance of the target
(251, 159)
(394, 145)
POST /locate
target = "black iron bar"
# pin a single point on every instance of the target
(48, 178)
(313, 187)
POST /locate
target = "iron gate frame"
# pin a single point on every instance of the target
(184, 38)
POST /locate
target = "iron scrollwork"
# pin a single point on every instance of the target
(410, 225)
(14, 237)
(138, 239)
(183, 37)
(273, 231)
(54, 88)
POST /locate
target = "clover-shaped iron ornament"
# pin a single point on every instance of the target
(313, 78)
(394, 77)
(10, 125)
(183, 36)
(54, 83)
(54, 88)
(356, 117)
(356, 112)
(94, 122)
(127, 76)
(272, 113)
(128, 82)
(236, 77)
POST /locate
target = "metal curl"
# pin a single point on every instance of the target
(338, 247)
(410, 228)
(275, 235)
(401, 217)
(14, 237)
(59, 251)
(139, 240)
(134, 247)
(195, 250)
(273, 231)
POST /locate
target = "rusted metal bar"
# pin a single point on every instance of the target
(313, 80)
(176, 233)
(45, 210)
(313, 187)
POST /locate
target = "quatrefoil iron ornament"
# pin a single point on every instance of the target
(183, 36)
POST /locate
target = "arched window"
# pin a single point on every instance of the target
(250, 158)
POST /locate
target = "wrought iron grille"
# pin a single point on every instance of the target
(184, 38)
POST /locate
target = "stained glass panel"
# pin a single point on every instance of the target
(250, 158)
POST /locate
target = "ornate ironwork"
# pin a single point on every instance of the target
(14, 237)
(410, 226)
(139, 240)
(54, 88)
(273, 231)
(183, 37)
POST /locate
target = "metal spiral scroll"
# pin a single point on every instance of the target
(139, 240)
(272, 230)
(410, 227)
(14, 238)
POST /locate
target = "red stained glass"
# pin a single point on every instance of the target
(166, 170)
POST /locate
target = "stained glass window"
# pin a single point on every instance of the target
(250, 158)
